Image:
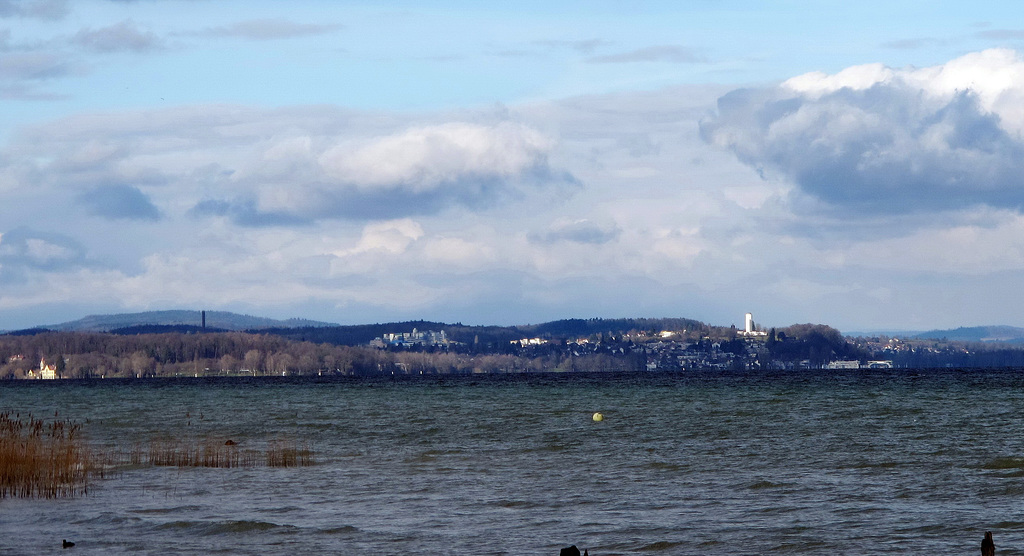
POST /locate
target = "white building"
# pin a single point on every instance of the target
(47, 372)
(748, 327)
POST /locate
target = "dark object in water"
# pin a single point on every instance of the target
(67, 544)
(230, 442)
(570, 551)
(988, 548)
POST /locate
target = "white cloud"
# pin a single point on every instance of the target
(43, 252)
(876, 139)
(965, 249)
(284, 167)
(391, 237)
(454, 252)
(423, 159)
(374, 216)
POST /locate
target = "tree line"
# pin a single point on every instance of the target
(96, 355)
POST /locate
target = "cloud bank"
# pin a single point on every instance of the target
(276, 168)
(876, 139)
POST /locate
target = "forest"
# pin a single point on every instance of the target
(107, 355)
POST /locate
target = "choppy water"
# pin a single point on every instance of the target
(749, 463)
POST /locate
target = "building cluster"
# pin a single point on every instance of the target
(427, 338)
(685, 356)
(751, 348)
(743, 353)
(529, 342)
(46, 371)
(854, 364)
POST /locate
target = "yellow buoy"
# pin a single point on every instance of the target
(598, 416)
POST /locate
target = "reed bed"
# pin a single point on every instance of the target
(286, 453)
(218, 453)
(196, 453)
(40, 459)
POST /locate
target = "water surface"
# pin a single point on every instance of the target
(831, 462)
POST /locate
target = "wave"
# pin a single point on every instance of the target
(208, 528)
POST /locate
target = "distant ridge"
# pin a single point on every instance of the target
(214, 319)
(976, 334)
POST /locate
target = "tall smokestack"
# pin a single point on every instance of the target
(204, 320)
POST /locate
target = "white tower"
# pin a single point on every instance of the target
(748, 326)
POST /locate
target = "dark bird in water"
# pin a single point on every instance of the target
(988, 548)
(569, 551)
(67, 544)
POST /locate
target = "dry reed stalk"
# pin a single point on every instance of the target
(194, 453)
(42, 460)
(288, 453)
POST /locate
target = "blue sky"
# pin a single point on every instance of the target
(855, 164)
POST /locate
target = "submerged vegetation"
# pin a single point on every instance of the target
(40, 459)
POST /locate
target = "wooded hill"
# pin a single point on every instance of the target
(188, 350)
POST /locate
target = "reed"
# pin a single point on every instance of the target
(288, 453)
(216, 453)
(40, 459)
(194, 453)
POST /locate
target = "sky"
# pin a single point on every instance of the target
(853, 164)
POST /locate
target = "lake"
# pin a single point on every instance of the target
(819, 462)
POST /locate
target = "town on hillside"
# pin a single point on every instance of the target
(571, 345)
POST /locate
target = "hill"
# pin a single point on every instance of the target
(214, 319)
(976, 334)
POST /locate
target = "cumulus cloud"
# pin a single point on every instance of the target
(448, 155)
(24, 251)
(880, 139)
(390, 237)
(278, 167)
(123, 36)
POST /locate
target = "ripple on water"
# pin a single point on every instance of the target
(664, 466)
(761, 485)
(344, 530)
(658, 546)
(867, 463)
(207, 528)
(168, 510)
(514, 504)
